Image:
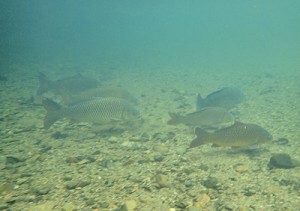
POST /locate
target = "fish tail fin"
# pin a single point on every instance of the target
(202, 136)
(174, 119)
(45, 84)
(53, 112)
(199, 102)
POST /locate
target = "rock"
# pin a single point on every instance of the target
(5, 188)
(129, 205)
(76, 184)
(58, 135)
(10, 160)
(74, 159)
(162, 181)
(3, 206)
(41, 190)
(211, 182)
(282, 161)
(45, 148)
(160, 148)
(83, 183)
(188, 183)
(158, 157)
(181, 204)
(201, 200)
(241, 168)
(192, 208)
(46, 206)
(71, 185)
(69, 207)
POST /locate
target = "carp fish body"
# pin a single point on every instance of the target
(96, 110)
(237, 135)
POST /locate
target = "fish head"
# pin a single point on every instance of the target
(263, 137)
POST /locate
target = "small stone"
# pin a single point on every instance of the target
(204, 167)
(43, 206)
(241, 168)
(193, 208)
(129, 205)
(202, 200)
(3, 206)
(73, 159)
(90, 202)
(45, 148)
(83, 183)
(283, 161)
(160, 148)
(42, 190)
(158, 157)
(67, 177)
(58, 135)
(71, 184)
(181, 204)
(10, 160)
(106, 163)
(5, 188)
(69, 207)
(211, 182)
(188, 183)
(76, 184)
(162, 181)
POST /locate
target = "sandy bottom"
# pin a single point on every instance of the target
(147, 167)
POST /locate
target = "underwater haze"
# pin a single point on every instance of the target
(217, 35)
(149, 105)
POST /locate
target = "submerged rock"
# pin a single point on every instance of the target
(161, 181)
(129, 205)
(282, 161)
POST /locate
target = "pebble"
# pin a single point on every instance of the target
(211, 182)
(69, 207)
(58, 135)
(188, 183)
(241, 168)
(5, 188)
(73, 159)
(160, 148)
(41, 190)
(158, 157)
(162, 181)
(3, 206)
(193, 208)
(129, 205)
(13, 160)
(202, 200)
(76, 184)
